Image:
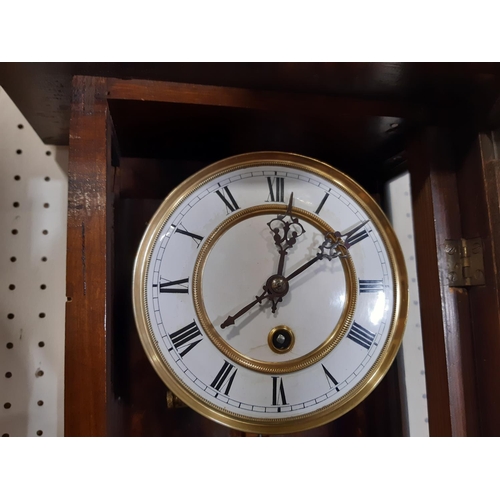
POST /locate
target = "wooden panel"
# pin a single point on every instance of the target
(111, 387)
(301, 104)
(446, 323)
(42, 91)
(479, 185)
(88, 399)
(188, 132)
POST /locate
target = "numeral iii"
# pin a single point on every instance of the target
(371, 286)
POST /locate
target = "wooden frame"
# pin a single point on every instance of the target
(460, 327)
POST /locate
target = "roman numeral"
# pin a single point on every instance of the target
(357, 237)
(197, 238)
(330, 378)
(231, 204)
(165, 287)
(370, 286)
(185, 338)
(361, 335)
(279, 397)
(318, 210)
(276, 189)
(221, 381)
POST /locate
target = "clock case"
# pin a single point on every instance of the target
(132, 141)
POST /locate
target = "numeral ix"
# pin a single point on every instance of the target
(170, 286)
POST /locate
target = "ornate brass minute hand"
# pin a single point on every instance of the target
(327, 250)
(277, 287)
(230, 319)
(330, 248)
(351, 236)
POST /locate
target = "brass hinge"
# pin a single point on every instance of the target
(465, 262)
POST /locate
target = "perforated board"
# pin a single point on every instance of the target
(33, 218)
(411, 356)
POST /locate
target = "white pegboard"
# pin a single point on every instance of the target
(411, 356)
(33, 219)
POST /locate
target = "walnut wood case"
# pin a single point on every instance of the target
(132, 141)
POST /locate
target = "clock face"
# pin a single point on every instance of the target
(270, 293)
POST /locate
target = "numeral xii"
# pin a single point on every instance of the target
(276, 189)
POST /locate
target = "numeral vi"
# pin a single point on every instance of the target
(225, 378)
(279, 397)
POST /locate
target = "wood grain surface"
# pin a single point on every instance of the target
(132, 141)
(479, 187)
(446, 322)
(88, 400)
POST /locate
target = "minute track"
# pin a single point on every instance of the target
(178, 250)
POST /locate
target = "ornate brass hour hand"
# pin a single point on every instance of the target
(277, 286)
(285, 229)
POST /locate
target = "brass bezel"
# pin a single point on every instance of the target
(292, 365)
(398, 320)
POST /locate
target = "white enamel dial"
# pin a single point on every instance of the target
(210, 253)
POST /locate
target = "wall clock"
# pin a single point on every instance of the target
(270, 292)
